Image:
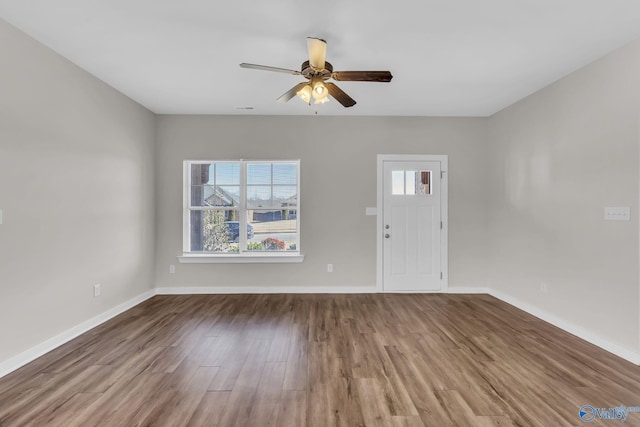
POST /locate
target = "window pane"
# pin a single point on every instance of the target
(214, 231)
(410, 183)
(273, 230)
(259, 197)
(227, 173)
(228, 195)
(285, 173)
(397, 182)
(259, 173)
(200, 194)
(423, 183)
(208, 195)
(201, 173)
(285, 196)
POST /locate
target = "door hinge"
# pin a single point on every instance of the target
(440, 225)
(441, 174)
(441, 275)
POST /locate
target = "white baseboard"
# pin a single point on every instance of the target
(623, 352)
(33, 353)
(199, 290)
(191, 290)
(467, 290)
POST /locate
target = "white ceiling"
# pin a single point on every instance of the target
(448, 57)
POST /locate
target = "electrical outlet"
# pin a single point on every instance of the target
(172, 269)
(97, 290)
(622, 213)
(329, 268)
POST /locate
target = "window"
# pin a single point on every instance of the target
(410, 183)
(241, 207)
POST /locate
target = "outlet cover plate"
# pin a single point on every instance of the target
(622, 213)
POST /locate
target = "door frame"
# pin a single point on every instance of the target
(444, 214)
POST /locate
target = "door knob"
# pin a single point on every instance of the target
(386, 236)
(386, 226)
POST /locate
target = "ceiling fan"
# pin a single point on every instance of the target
(317, 71)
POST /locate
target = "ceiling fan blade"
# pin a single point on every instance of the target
(340, 95)
(317, 52)
(291, 92)
(266, 68)
(362, 76)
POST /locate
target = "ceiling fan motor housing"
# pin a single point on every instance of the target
(309, 72)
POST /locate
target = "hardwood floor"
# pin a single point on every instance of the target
(320, 360)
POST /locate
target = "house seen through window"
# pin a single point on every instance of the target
(241, 207)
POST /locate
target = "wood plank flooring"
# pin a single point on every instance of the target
(320, 360)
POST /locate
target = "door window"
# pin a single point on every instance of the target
(411, 183)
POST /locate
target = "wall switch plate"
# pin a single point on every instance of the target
(329, 268)
(0, 216)
(97, 290)
(617, 213)
(371, 211)
(172, 269)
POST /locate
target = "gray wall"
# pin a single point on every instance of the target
(558, 158)
(338, 180)
(76, 188)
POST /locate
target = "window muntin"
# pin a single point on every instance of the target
(241, 207)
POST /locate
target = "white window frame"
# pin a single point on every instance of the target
(243, 256)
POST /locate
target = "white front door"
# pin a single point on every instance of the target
(412, 227)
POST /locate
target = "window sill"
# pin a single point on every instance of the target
(239, 259)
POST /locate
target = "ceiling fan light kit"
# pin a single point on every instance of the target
(317, 70)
